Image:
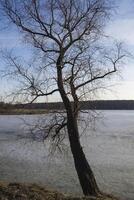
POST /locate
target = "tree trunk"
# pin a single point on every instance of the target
(85, 174)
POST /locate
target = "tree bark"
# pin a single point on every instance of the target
(85, 174)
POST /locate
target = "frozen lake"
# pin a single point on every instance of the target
(109, 149)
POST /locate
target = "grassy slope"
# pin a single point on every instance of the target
(16, 191)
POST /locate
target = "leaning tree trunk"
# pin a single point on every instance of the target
(85, 174)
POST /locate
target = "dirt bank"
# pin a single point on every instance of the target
(16, 191)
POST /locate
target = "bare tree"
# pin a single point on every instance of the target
(70, 60)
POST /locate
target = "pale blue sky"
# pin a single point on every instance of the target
(121, 27)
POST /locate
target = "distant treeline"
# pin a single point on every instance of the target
(85, 105)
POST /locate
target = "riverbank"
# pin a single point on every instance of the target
(22, 111)
(17, 191)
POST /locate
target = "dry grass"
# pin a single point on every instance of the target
(16, 191)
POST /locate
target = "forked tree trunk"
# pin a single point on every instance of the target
(85, 174)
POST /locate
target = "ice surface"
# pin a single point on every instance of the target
(109, 149)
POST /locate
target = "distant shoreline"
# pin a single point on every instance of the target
(22, 111)
(42, 111)
(43, 108)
